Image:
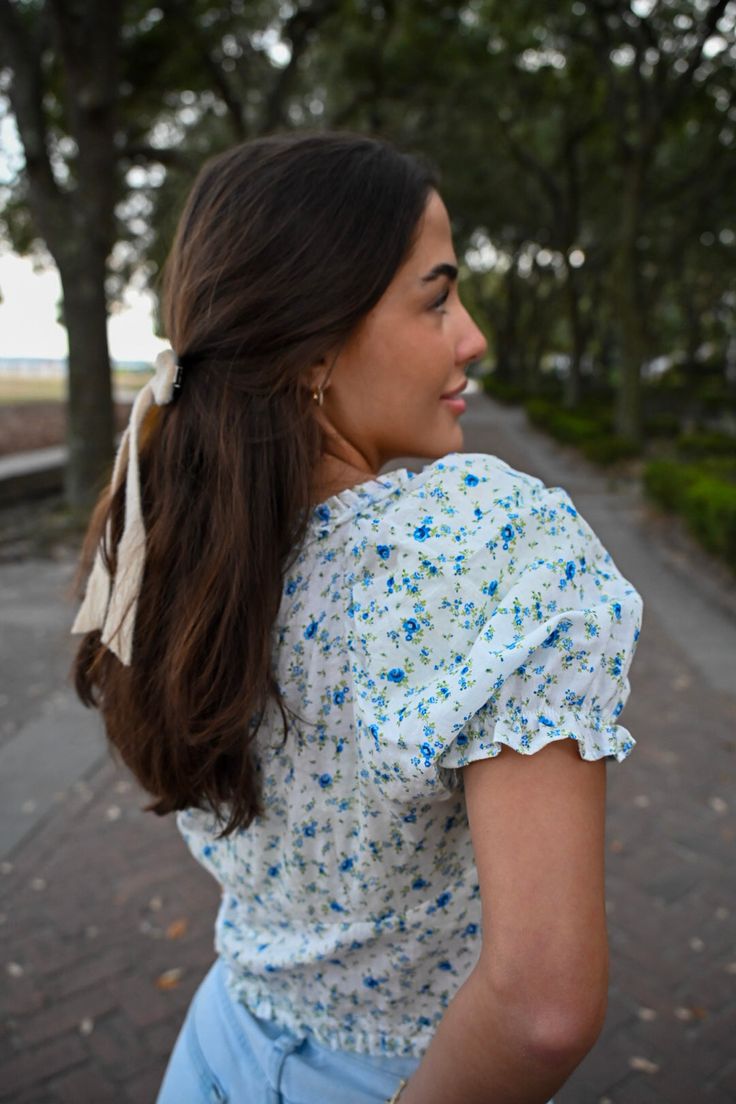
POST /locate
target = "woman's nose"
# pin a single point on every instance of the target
(473, 344)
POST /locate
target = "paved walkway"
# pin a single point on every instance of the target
(106, 922)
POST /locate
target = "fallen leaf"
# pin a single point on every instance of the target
(688, 1012)
(169, 979)
(177, 928)
(643, 1065)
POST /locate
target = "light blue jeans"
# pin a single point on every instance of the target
(226, 1055)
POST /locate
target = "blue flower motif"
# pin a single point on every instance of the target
(411, 625)
(311, 630)
(396, 674)
(444, 899)
(471, 480)
(347, 864)
(569, 569)
(421, 532)
(325, 780)
(383, 551)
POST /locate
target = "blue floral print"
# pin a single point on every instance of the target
(429, 619)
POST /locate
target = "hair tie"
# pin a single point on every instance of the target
(110, 605)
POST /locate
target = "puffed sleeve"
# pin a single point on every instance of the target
(520, 632)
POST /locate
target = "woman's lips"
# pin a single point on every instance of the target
(454, 402)
(456, 393)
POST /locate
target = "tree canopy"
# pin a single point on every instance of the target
(585, 151)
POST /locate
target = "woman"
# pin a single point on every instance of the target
(381, 704)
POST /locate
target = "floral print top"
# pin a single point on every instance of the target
(430, 619)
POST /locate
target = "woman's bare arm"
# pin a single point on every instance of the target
(535, 1003)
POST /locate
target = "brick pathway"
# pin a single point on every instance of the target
(107, 922)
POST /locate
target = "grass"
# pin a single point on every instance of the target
(20, 389)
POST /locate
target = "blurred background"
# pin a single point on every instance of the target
(586, 155)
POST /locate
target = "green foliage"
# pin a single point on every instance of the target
(511, 393)
(664, 424)
(591, 432)
(572, 429)
(665, 481)
(706, 444)
(709, 508)
(608, 448)
(704, 494)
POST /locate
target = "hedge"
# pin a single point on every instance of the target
(590, 434)
(704, 494)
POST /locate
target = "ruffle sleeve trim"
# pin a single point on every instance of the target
(527, 732)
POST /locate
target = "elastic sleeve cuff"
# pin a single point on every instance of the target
(527, 732)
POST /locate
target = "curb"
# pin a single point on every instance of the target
(31, 474)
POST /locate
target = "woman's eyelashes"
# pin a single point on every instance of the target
(438, 303)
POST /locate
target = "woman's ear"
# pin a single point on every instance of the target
(320, 371)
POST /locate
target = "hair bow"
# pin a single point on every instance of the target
(111, 604)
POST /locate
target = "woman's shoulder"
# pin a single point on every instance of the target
(463, 496)
(468, 470)
(472, 518)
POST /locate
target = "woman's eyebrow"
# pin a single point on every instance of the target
(443, 269)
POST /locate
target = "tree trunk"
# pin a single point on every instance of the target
(90, 419)
(626, 293)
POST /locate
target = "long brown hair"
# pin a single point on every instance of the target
(284, 245)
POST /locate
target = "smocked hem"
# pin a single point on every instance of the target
(380, 1044)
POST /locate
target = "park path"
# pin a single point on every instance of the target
(106, 922)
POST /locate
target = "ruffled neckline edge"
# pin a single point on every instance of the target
(324, 515)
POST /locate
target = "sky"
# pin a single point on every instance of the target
(29, 299)
(29, 308)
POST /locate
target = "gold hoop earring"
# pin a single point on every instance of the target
(318, 396)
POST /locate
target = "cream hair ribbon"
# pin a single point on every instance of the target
(110, 605)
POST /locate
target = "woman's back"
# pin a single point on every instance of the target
(428, 620)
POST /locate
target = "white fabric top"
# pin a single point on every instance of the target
(430, 619)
